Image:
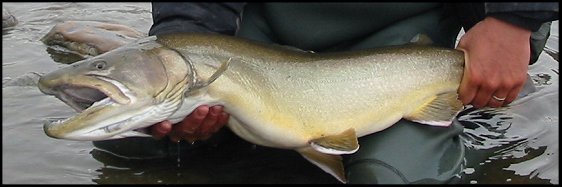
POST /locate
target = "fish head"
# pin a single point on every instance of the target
(118, 93)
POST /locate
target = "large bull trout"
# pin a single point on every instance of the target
(316, 104)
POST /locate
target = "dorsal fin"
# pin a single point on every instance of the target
(343, 143)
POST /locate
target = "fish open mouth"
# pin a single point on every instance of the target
(81, 98)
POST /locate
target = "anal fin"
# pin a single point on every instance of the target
(439, 110)
(343, 143)
(331, 164)
(421, 39)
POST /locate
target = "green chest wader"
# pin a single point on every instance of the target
(404, 153)
(407, 152)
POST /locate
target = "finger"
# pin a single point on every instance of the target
(161, 129)
(512, 95)
(190, 124)
(193, 122)
(482, 97)
(223, 120)
(210, 121)
(519, 86)
(498, 98)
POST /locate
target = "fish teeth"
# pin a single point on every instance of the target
(57, 121)
(63, 120)
(105, 101)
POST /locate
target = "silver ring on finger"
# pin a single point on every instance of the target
(498, 98)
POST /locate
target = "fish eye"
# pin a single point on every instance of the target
(100, 65)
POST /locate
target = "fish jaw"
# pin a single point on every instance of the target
(107, 119)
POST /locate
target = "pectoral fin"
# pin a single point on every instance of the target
(217, 74)
(343, 143)
(439, 110)
(331, 164)
(293, 48)
(421, 39)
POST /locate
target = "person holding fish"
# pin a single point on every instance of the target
(501, 40)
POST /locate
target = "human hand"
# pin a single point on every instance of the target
(199, 125)
(497, 56)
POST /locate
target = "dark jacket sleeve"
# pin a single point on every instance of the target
(527, 15)
(195, 17)
(533, 16)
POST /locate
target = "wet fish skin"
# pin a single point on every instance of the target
(316, 104)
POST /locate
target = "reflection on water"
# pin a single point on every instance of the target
(522, 139)
(233, 161)
(517, 144)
